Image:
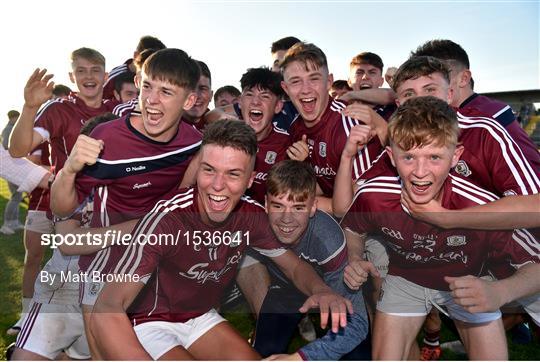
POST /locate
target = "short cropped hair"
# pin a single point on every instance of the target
(341, 84)
(13, 114)
(91, 123)
(262, 78)
(444, 49)
(232, 90)
(205, 71)
(173, 66)
(422, 121)
(126, 77)
(142, 56)
(149, 42)
(231, 133)
(292, 177)
(305, 53)
(283, 44)
(367, 58)
(89, 54)
(61, 90)
(417, 67)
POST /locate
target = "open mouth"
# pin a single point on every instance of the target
(308, 104)
(90, 85)
(286, 230)
(255, 115)
(421, 187)
(154, 115)
(218, 202)
(365, 86)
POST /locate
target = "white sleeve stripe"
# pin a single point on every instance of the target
(474, 191)
(501, 112)
(43, 133)
(515, 150)
(384, 184)
(528, 238)
(150, 158)
(462, 181)
(379, 190)
(336, 253)
(468, 196)
(271, 253)
(524, 245)
(45, 106)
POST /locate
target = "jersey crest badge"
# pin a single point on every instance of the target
(456, 240)
(270, 157)
(322, 149)
(463, 169)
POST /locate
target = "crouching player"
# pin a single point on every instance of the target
(318, 239)
(173, 315)
(431, 267)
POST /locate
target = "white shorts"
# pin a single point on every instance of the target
(49, 329)
(376, 253)
(401, 297)
(37, 222)
(158, 338)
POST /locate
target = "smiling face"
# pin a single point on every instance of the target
(424, 169)
(128, 92)
(204, 96)
(89, 78)
(365, 76)
(433, 84)
(224, 175)
(258, 109)
(307, 86)
(162, 104)
(288, 218)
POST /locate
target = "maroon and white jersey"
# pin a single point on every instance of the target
(186, 279)
(132, 173)
(326, 141)
(502, 113)
(130, 107)
(423, 253)
(108, 88)
(271, 150)
(59, 121)
(491, 159)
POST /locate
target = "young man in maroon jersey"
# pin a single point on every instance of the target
(129, 163)
(465, 99)
(431, 267)
(217, 225)
(60, 120)
(306, 81)
(196, 114)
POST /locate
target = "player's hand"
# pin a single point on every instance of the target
(85, 152)
(299, 150)
(329, 303)
(284, 357)
(361, 112)
(38, 88)
(359, 136)
(432, 212)
(474, 294)
(356, 273)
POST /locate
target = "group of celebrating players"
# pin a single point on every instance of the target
(377, 207)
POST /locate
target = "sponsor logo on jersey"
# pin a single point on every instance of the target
(456, 240)
(463, 169)
(202, 273)
(392, 233)
(140, 186)
(322, 149)
(325, 171)
(94, 288)
(135, 168)
(270, 157)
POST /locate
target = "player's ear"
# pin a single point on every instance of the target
(137, 80)
(251, 178)
(279, 106)
(313, 207)
(266, 203)
(284, 86)
(391, 155)
(116, 95)
(190, 101)
(72, 78)
(329, 82)
(464, 78)
(457, 154)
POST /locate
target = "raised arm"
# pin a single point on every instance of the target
(381, 96)
(64, 198)
(510, 212)
(37, 91)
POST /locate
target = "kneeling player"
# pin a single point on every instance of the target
(318, 239)
(173, 316)
(429, 266)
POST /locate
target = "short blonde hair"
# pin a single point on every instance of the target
(422, 121)
(89, 54)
